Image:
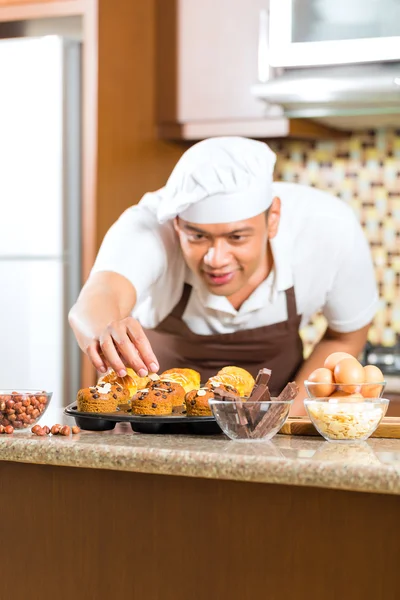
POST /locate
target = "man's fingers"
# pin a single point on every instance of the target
(130, 354)
(140, 341)
(95, 358)
(111, 355)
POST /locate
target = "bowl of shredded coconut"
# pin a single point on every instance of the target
(340, 421)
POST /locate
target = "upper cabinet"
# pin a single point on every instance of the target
(207, 61)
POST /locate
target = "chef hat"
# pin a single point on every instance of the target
(219, 180)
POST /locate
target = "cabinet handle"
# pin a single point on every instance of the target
(264, 69)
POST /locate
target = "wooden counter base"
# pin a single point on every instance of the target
(107, 535)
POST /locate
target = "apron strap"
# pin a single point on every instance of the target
(291, 304)
(180, 308)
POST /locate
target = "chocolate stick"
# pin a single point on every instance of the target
(271, 417)
(274, 413)
(259, 393)
(289, 392)
(221, 394)
(260, 390)
(239, 416)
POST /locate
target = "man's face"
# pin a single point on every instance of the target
(227, 256)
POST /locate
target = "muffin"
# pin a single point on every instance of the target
(131, 382)
(187, 378)
(103, 398)
(238, 378)
(174, 390)
(152, 401)
(140, 382)
(197, 400)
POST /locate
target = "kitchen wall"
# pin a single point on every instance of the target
(364, 170)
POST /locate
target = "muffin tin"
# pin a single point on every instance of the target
(168, 424)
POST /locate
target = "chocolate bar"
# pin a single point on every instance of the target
(238, 415)
(277, 410)
(260, 391)
(274, 413)
(289, 392)
(221, 394)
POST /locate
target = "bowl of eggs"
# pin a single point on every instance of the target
(345, 398)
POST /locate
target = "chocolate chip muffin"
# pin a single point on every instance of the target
(152, 401)
(131, 382)
(174, 390)
(103, 398)
(197, 400)
(197, 403)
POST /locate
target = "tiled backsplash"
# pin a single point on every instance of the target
(363, 170)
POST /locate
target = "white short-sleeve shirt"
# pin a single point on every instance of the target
(320, 248)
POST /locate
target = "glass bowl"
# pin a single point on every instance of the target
(250, 421)
(23, 408)
(338, 420)
(357, 391)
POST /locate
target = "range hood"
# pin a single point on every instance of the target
(351, 96)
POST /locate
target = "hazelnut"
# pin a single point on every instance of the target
(35, 429)
(2, 429)
(76, 429)
(66, 430)
(46, 429)
(9, 429)
(55, 430)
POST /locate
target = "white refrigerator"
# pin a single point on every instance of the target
(40, 192)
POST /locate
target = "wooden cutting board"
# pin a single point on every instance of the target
(388, 428)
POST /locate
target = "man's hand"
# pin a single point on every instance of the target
(104, 329)
(122, 343)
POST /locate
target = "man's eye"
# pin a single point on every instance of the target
(196, 237)
(237, 238)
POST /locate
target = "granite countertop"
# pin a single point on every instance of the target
(372, 466)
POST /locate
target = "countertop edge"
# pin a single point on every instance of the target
(382, 479)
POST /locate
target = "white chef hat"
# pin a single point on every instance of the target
(219, 180)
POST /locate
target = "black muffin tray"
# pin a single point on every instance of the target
(175, 423)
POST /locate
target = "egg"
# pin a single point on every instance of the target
(343, 397)
(324, 379)
(332, 360)
(374, 375)
(349, 371)
(340, 394)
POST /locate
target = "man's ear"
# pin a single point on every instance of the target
(274, 216)
(176, 224)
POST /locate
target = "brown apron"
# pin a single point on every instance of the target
(277, 347)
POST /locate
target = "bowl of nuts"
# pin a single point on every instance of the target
(22, 409)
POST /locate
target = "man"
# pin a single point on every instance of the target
(222, 266)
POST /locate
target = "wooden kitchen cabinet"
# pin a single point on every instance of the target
(207, 61)
(214, 43)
